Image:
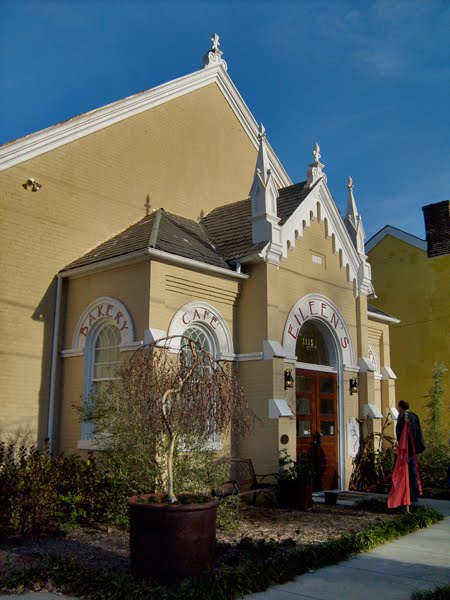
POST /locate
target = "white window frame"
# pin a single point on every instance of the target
(213, 442)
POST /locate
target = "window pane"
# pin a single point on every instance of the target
(326, 406)
(303, 406)
(303, 428)
(303, 384)
(311, 346)
(327, 427)
(326, 385)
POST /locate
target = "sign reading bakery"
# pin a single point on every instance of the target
(203, 314)
(315, 306)
(102, 309)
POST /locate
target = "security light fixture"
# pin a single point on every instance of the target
(353, 386)
(32, 184)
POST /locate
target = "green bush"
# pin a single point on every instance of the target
(228, 513)
(42, 492)
(433, 464)
(441, 592)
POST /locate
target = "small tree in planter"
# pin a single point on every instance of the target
(185, 398)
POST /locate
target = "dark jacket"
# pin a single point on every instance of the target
(417, 435)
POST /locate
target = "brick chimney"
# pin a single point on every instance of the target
(437, 228)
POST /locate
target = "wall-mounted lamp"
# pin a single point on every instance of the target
(32, 184)
(288, 379)
(353, 386)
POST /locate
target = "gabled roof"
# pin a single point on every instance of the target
(230, 228)
(161, 231)
(225, 234)
(398, 234)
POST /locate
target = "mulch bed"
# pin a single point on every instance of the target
(257, 526)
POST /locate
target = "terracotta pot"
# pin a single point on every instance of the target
(169, 542)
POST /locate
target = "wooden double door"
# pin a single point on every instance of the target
(317, 424)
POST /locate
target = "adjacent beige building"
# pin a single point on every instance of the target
(168, 212)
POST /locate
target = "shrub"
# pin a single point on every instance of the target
(441, 592)
(434, 461)
(42, 492)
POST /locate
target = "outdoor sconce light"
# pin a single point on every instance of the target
(288, 379)
(353, 386)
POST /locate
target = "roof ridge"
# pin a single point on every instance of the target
(155, 229)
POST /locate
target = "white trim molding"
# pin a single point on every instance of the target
(279, 408)
(319, 206)
(373, 316)
(32, 145)
(399, 235)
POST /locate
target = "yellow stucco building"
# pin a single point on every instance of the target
(412, 280)
(168, 212)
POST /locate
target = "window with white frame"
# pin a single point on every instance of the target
(205, 339)
(102, 362)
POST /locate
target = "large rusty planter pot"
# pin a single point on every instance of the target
(294, 493)
(169, 542)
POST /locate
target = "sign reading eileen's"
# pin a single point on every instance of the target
(317, 309)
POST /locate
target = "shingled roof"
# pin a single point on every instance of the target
(224, 235)
(162, 231)
(230, 228)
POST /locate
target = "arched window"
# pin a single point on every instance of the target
(206, 340)
(311, 346)
(203, 337)
(102, 362)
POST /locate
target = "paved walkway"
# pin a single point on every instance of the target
(393, 571)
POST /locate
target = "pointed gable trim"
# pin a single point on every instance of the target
(318, 206)
(33, 145)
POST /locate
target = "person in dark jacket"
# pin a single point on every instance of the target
(416, 444)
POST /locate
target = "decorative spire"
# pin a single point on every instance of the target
(264, 193)
(353, 220)
(314, 172)
(213, 57)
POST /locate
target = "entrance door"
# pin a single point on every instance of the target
(317, 432)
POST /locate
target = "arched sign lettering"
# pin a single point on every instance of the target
(315, 306)
(203, 314)
(103, 309)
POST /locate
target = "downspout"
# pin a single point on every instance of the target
(53, 367)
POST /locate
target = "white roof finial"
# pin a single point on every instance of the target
(213, 57)
(262, 132)
(314, 172)
(353, 221)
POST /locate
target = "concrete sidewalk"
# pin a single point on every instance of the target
(416, 562)
(393, 571)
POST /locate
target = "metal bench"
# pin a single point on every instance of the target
(245, 482)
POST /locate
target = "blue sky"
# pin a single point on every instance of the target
(368, 80)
